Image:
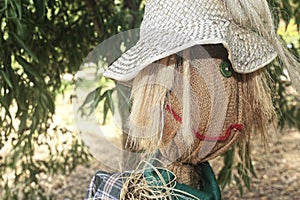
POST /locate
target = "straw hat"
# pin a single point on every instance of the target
(170, 26)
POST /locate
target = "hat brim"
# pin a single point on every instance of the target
(247, 51)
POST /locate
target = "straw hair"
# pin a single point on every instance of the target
(186, 101)
(259, 116)
(149, 92)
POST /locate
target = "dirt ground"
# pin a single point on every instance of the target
(278, 173)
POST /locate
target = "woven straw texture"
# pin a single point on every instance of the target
(170, 26)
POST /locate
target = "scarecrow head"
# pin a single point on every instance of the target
(198, 77)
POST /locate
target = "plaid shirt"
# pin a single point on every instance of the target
(106, 186)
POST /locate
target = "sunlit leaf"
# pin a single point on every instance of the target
(26, 48)
(91, 96)
(29, 69)
(110, 101)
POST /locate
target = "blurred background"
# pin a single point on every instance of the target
(43, 44)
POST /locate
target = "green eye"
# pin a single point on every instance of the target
(226, 69)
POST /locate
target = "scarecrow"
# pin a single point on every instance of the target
(199, 85)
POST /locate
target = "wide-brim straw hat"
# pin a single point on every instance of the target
(170, 26)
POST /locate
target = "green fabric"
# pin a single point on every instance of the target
(210, 190)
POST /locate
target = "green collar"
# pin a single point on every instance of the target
(158, 178)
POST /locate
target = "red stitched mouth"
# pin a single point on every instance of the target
(225, 137)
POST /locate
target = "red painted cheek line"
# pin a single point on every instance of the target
(175, 115)
(231, 128)
(234, 127)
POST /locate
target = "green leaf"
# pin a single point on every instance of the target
(23, 122)
(17, 9)
(239, 185)
(29, 69)
(6, 78)
(224, 176)
(51, 103)
(110, 101)
(242, 171)
(40, 8)
(92, 96)
(105, 110)
(5, 103)
(21, 100)
(20, 29)
(249, 163)
(35, 120)
(47, 101)
(25, 47)
(11, 13)
(4, 4)
(14, 78)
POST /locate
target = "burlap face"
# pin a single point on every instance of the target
(215, 109)
(185, 107)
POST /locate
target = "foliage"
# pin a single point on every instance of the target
(40, 41)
